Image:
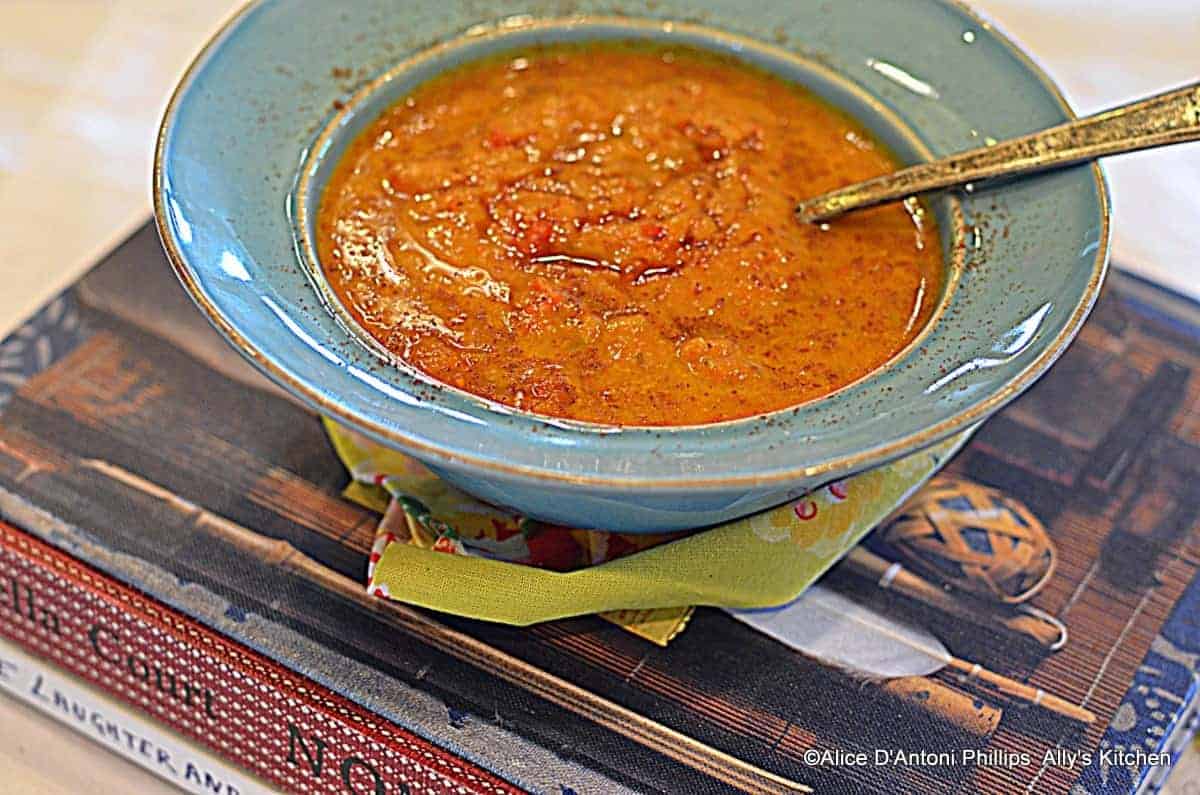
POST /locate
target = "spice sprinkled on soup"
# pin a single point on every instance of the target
(605, 233)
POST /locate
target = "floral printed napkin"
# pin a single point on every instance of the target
(440, 548)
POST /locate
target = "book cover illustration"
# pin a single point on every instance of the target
(118, 395)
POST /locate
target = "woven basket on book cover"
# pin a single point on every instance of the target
(974, 538)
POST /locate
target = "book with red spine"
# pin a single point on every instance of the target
(283, 727)
(185, 496)
(96, 716)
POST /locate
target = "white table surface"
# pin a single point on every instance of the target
(83, 83)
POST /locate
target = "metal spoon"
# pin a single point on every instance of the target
(1170, 118)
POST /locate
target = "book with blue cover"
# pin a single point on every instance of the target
(121, 375)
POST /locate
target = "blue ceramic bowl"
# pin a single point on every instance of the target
(251, 131)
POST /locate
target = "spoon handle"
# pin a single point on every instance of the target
(1170, 118)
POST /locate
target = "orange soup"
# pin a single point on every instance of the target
(605, 233)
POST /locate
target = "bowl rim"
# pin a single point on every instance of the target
(683, 481)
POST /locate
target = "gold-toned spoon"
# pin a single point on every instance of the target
(1170, 118)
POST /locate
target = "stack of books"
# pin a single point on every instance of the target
(181, 581)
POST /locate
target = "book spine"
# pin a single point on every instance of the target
(114, 726)
(282, 727)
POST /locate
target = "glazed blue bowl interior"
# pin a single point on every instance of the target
(242, 157)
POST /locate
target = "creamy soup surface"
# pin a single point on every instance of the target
(605, 233)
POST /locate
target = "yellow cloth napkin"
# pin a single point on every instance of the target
(440, 548)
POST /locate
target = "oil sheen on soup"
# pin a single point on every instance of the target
(605, 233)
